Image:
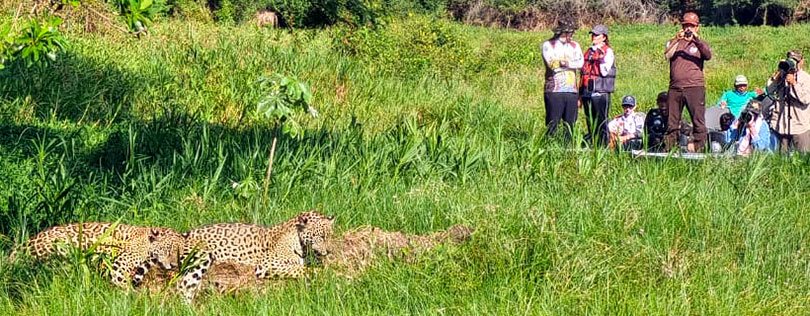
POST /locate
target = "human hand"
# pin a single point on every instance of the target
(759, 91)
(723, 104)
(680, 35)
(790, 79)
(579, 103)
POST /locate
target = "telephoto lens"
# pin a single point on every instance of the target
(688, 33)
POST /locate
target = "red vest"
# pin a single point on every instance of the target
(592, 79)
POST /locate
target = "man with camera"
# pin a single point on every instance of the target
(789, 87)
(686, 54)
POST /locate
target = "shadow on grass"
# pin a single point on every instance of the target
(73, 88)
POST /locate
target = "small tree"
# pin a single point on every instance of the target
(281, 97)
(36, 44)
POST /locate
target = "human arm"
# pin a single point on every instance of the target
(607, 62)
(672, 47)
(732, 132)
(577, 60)
(723, 102)
(639, 132)
(703, 47)
(800, 88)
(548, 57)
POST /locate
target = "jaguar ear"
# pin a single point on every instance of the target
(154, 234)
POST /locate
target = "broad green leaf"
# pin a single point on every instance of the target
(294, 92)
(145, 4)
(305, 92)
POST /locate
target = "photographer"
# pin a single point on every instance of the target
(750, 132)
(790, 89)
(686, 54)
(562, 57)
(598, 76)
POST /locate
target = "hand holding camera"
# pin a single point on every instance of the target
(790, 79)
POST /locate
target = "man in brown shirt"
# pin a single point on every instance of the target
(686, 54)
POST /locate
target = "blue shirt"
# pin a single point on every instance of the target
(736, 101)
(763, 142)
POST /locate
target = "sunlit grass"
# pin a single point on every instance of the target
(142, 128)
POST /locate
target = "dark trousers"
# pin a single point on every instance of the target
(560, 105)
(597, 108)
(695, 100)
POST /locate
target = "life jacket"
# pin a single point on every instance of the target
(592, 79)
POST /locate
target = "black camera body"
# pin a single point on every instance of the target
(788, 65)
(746, 116)
(688, 34)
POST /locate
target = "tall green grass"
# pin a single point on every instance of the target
(160, 132)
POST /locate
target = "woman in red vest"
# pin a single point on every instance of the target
(598, 76)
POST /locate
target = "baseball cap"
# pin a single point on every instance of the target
(690, 18)
(629, 100)
(599, 29)
(740, 80)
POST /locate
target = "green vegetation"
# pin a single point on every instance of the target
(423, 124)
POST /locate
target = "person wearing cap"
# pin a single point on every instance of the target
(597, 81)
(755, 135)
(790, 116)
(687, 86)
(562, 57)
(627, 128)
(738, 98)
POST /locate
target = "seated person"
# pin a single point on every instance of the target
(719, 138)
(750, 132)
(737, 99)
(626, 129)
(661, 101)
(714, 124)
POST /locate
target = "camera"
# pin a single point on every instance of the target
(655, 126)
(688, 33)
(746, 116)
(788, 65)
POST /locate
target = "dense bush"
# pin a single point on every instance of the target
(303, 13)
(413, 47)
(504, 12)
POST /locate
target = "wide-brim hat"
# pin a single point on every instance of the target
(565, 26)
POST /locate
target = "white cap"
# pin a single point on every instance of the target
(740, 80)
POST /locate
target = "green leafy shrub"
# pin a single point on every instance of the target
(410, 48)
(140, 13)
(37, 44)
(307, 13)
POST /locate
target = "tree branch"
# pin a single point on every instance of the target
(109, 21)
